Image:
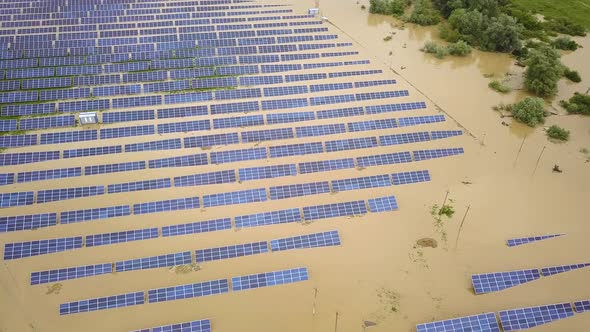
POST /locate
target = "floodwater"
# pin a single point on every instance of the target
(377, 274)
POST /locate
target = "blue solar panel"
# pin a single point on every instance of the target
(28, 109)
(437, 153)
(384, 159)
(549, 271)
(372, 125)
(112, 117)
(582, 306)
(181, 161)
(276, 118)
(69, 136)
(296, 190)
(167, 144)
(205, 179)
(187, 126)
(524, 318)
(120, 237)
(267, 135)
(188, 97)
(240, 121)
(139, 185)
(114, 168)
(58, 173)
(395, 107)
(525, 240)
(493, 282)
(16, 199)
(69, 217)
(445, 134)
(236, 197)
(44, 277)
(416, 120)
(410, 177)
(269, 279)
(41, 247)
(85, 152)
(326, 165)
(316, 240)
(6, 178)
(268, 105)
(373, 83)
(268, 218)
(108, 133)
(19, 140)
(188, 291)
(351, 144)
(44, 196)
(166, 205)
(154, 262)
(381, 204)
(27, 222)
(267, 172)
(330, 87)
(213, 254)
(238, 155)
(326, 100)
(404, 138)
(109, 302)
(7, 125)
(361, 183)
(197, 227)
(180, 112)
(340, 113)
(334, 210)
(296, 149)
(194, 326)
(48, 122)
(211, 140)
(320, 130)
(482, 323)
(7, 159)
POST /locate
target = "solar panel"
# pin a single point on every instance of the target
(58, 173)
(365, 84)
(211, 140)
(7, 125)
(86, 152)
(120, 237)
(410, 177)
(45, 277)
(296, 149)
(197, 227)
(236, 197)
(44, 196)
(238, 122)
(525, 240)
(325, 100)
(17, 141)
(361, 183)
(166, 205)
(524, 318)
(381, 204)
(269, 279)
(40, 247)
(316, 240)
(194, 326)
(68, 217)
(28, 109)
(267, 135)
(372, 125)
(549, 271)
(320, 130)
(437, 153)
(334, 210)
(340, 113)
(267, 172)
(330, 87)
(19, 96)
(16, 199)
(376, 109)
(113, 117)
(582, 306)
(69, 136)
(416, 120)
(239, 250)
(268, 105)
(325, 165)
(114, 168)
(445, 134)
(493, 282)
(290, 117)
(180, 112)
(237, 155)
(285, 90)
(235, 107)
(268, 218)
(405, 138)
(48, 122)
(6, 178)
(297, 190)
(139, 185)
(27, 222)
(109, 133)
(7, 159)
(167, 144)
(188, 291)
(84, 105)
(154, 262)
(384, 159)
(483, 323)
(181, 161)
(205, 179)
(109, 302)
(351, 144)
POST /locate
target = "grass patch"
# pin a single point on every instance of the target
(13, 132)
(578, 11)
(565, 43)
(498, 86)
(558, 133)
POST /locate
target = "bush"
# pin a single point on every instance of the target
(459, 48)
(424, 13)
(558, 133)
(565, 43)
(578, 104)
(496, 85)
(531, 111)
(543, 71)
(448, 34)
(502, 35)
(387, 7)
(572, 75)
(433, 48)
(562, 25)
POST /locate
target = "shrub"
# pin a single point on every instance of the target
(424, 13)
(433, 48)
(565, 43)
(448, 34)
(578, 104)
(572, 75)
(387, 7)
(459, 48)
(531, 111)
(562, 25)
(502, 35)
(543, 71)
(558, 133)
(387, 38)
(496, 85)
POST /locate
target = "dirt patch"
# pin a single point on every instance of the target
(54, 289)
(184, 269)
(427, 242)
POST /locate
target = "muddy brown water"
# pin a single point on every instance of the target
(377, 274)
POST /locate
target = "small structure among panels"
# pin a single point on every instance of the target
(524, 318)
(524, 240)
(482, 323)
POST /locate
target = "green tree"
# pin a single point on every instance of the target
(572, 75)
(470, 24)
(387, 7)
(565, 43)
(424, 13)
(459, 48)
(558, 133)
(543, 71)
(578, 104)
(502, 35)
(530, 110)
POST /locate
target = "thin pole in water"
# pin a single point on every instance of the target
(336, 323)
(461, 226)
(538, 160)
(519, 149)
(443, 204)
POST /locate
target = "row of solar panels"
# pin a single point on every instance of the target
(206, 288)
(66, 5)
(19, 250)
(314, 240)
(219, 177)
(203, 325)
(511, 320)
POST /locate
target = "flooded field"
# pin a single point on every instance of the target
(393, 269)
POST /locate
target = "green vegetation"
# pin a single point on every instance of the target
(543, 71)
(565, 43)
(531, 111)
(577, 11)
(388, 38)
(388, 7)
(558, 133)
(498, 86)
(13, 132)
(459, 48)
(424, 13)
(434, 48)
(578, 104)
(572, 75)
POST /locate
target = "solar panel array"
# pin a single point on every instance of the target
(524, 318)
(524, 240)
(484, 322)
(492, 282)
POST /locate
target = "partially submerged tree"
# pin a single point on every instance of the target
(530, 110)
(543, 71)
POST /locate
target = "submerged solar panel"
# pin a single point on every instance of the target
(181, 161)
(40, 247)
(384, 159)
(205, 179)
(297, 190)
(493, 282)
(582, 306)
(326, 165)
(525, 240)
(188, 291)
(436, 153)
(68, 217)
(109, 302)
(237, 155)
(524, 318)
(197, 227)
(381, 204)
(211, 140)
(239, 250)
(44, 277)
(114, 168)
(351, 144)
(120, 237)
(203, 325)
(27, 222)
(236, 197)
(268, 218)
(139, 185)
(267, 172)
(154, 262)
(167, 144)
(404, 138)
(334, 210)
(296, 149)
(44, 196)
(482, 323)
(269, 279)
(167, 205)
(361, 183)
(410, 177)
(316, 240)
(549, 271)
